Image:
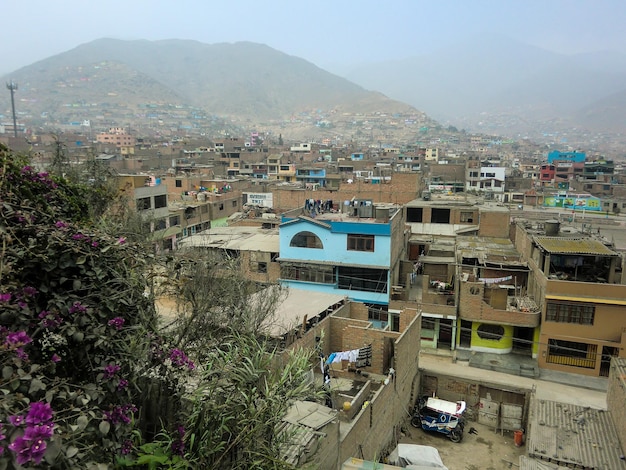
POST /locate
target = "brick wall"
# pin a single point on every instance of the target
(372, 432)
(494, 224)
(452, 388)
(402, 189)
(472, 307)
(249, 266)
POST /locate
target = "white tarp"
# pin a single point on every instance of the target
(416, 457)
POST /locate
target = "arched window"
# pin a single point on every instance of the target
(493, 332)
(306, 240)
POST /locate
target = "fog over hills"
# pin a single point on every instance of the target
(488, 84)
(246, 80)
(492, 77)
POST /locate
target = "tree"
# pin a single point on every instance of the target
(213, 298)
(74, 325)
(239, 404)
(88, 379)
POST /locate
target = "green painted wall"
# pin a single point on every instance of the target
(502, 345)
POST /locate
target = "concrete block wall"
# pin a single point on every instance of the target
(494, 224)
(390, 406)
(452, 389)
(616, 398)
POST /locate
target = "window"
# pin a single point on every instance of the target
(222, 206)
(307, 273)
(377, 312)
(174, 220)
(261, 267)
(306, 240)
(168, 244)
(440, 216)
(490, 332)
(273, 257)
(571, 353)
(360, 242)
(160, 224)
(143, 204)
(160, 201)
(414, 214)
(234, 203)
(368, 280)
(581, 314)
(179, 183)
(467, 217)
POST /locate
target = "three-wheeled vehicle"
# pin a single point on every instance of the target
(435, 414)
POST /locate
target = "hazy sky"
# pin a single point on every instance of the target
(328, 33)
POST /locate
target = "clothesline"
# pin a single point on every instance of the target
(494, 280)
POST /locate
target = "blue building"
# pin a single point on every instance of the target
(311, 176)
(572, 157)
(355, 252)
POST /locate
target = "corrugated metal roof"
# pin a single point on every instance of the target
(300, 429)
(296, 306)
(235, 238)
(526, 463)
(573, 435)
(573, 246)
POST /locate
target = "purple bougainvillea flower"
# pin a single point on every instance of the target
(49, 319)
(16, 420)
(180, 359)
(77, 307)
(29, 291)
(60, 224)
(123, 383)
(5, 297)
(17, 338)
(39, 412)
(120, 414)
(121, 240)
(55, 358)
(40, 431)
(19, 352)
(111, 370)
(22, 449)
(127, 447)
(117, 323)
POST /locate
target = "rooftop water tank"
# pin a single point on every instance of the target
(552, 227)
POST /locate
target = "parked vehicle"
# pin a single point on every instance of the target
(435, 414)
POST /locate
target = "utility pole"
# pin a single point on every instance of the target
(12, 86)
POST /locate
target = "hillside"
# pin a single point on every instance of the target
(120, 82)
(493, 81)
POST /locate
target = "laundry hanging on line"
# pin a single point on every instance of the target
(362, 356)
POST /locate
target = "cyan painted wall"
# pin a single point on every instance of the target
(335, 245)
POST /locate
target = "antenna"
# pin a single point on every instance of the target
(12, 87)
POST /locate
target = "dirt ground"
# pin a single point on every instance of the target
(485, 450)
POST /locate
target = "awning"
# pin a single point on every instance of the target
(592, 300)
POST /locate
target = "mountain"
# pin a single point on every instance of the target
(244, 81)
(605, 115)
(491, 79)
